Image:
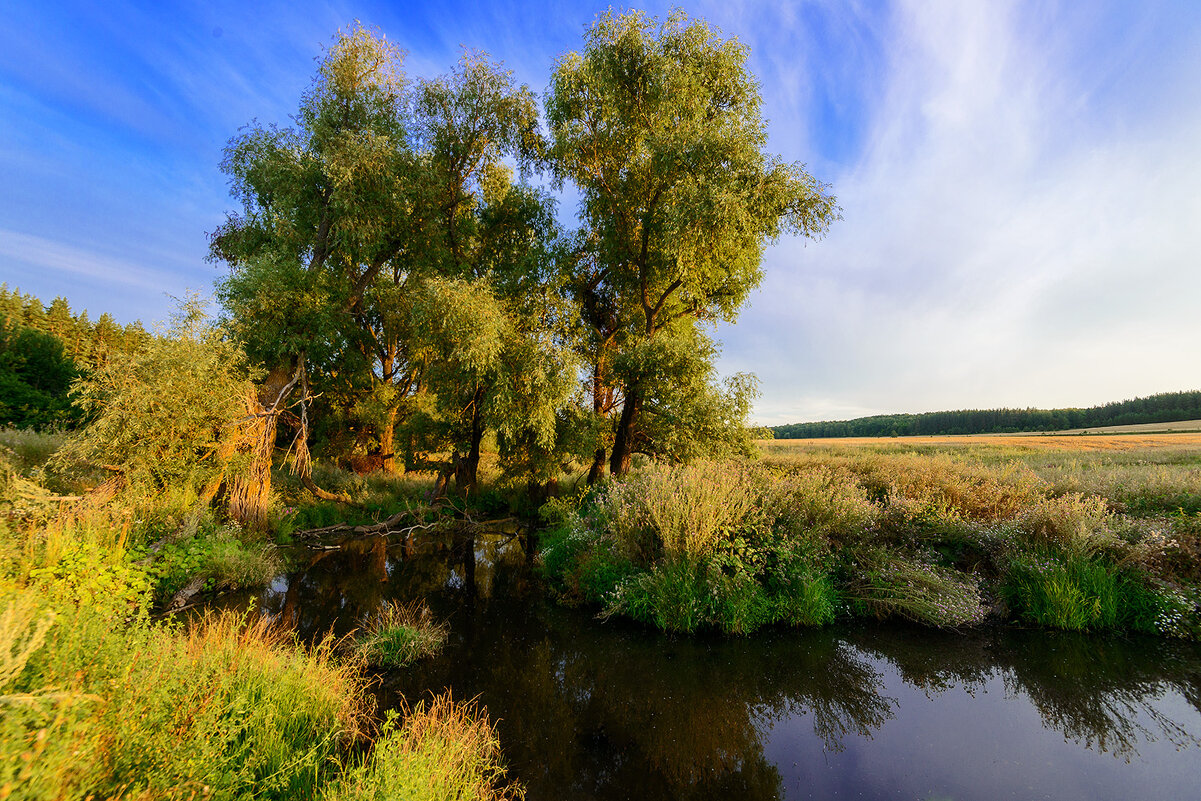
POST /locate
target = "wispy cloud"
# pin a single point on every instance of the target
(1005, 242)
(36, 254)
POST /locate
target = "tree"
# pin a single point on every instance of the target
(35, 377)
(364, 227)
(659, 126)
(328, 209)
(177, 413)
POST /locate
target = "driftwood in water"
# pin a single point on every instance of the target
(180, 599)
(392, 525)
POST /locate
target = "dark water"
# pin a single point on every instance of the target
(607, 710)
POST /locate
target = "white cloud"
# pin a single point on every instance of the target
(1005, 242)
(39, 254)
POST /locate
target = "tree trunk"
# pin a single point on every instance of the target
(467, 468)
(598, 407)
(623, 442)
(597, 472)
(387, 446)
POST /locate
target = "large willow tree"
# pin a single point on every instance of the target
(660, 127)
(389, 207)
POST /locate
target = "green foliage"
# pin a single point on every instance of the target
(225, 709)
(221, 560)
(95, 577)
(162, 413)
(659, 126)
(1077, 591)
(885, 585)
(689, 547)
(28, 449)
(85, 344)
(35, 376)
(382, 245)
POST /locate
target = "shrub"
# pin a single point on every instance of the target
(399, 634)
(220, 560)
(673, 596)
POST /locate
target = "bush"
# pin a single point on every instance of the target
(1076, 591)
(220, 560)
(399, 634)
(818, 504)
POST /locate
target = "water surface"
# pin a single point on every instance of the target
(590, 709)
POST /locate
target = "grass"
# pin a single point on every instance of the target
(940, 531)
(98, 701)
(1078, 592)
(225, 708)
(442, 751)
(398, 635)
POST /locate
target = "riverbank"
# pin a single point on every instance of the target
(102, 697)
(949, 534)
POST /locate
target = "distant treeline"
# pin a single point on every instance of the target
(43, 349)
(1166, 407)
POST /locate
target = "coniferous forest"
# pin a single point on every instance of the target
(1165, 407)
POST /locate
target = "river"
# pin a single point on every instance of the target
(591, 709)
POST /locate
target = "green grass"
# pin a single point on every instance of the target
(223, 709)
(441, 752)
(1078, 592)
(929, 534)
(97, 701)
(398, 635)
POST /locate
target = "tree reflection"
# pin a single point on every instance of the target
(1098, 691)
(617, 711)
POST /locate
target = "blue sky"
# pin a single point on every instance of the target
(1019, 181)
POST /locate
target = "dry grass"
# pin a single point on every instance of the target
(1031, 442)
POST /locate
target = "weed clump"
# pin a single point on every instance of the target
(439, 750)
(399, 634)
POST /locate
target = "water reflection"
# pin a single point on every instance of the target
(592, 710)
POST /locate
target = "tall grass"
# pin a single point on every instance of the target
(399, 634)
(221, 710)
(936, 533)
(442, 751)
(1077, 591)
(685, 512)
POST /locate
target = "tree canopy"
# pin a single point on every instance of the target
(659, 125)
(391, 264)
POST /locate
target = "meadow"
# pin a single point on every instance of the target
(1068, 532)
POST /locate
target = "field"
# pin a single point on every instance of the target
(1073, 532)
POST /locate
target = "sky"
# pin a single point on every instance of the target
(1020, 182)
